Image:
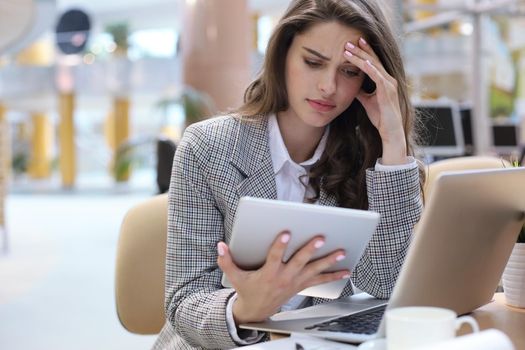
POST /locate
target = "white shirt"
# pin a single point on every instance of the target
(291, 183)
(291, 178)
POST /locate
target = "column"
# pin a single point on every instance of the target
(67, 139)
(216, 49)
(4, 171)
(121, 131)
(520, 97)
(40, 162)
(481, 124)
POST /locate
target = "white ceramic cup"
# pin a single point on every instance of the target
(415, 326)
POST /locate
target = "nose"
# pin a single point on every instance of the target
(328, 83)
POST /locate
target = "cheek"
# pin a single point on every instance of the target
(295, 77)
(350, 89)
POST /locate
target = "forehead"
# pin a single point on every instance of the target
(327, 37)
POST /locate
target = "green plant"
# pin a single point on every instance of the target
(130, 154)
(119, 32)
(501, 103)
(123, 162)
(20, 162)
(196, 104)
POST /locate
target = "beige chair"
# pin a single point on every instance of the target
(460, 163)
(139, 277)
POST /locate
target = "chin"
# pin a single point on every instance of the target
(320, 120)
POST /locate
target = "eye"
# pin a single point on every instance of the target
(349, 72)
(311, 63)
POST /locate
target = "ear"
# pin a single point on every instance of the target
(368, 85)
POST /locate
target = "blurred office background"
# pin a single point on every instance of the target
(94, 96)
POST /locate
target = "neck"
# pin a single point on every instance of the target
(300, 141)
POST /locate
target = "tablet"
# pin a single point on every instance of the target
(258, 222)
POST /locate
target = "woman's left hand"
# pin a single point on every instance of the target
(382, 105)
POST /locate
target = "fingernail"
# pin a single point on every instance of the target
(340, 257)
(348, 53)
(350, 45)
(363, 41)
(347, 276)
(285, 238)
(220, 249)
(318, 244)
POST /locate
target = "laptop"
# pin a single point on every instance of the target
(459, 251)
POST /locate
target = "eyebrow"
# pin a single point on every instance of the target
(313, 52)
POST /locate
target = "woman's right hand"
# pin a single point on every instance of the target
(260, 293)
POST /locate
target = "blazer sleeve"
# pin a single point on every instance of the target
(195, 299)
(396, 196)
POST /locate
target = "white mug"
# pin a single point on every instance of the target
(415, 326)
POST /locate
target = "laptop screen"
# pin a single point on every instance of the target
(442, 133)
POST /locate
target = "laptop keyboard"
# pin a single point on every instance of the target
(366, 322)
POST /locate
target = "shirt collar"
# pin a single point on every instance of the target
(279, 153)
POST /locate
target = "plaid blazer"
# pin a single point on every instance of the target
(217, 162)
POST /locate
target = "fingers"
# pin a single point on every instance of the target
(362, 56)
(225, 262)
(363, 50)
(326, 277)
(274, 259)
(299, 272)
(317, 266)
(301, 258)
(375, 75)
(315, 273)
(365, 64)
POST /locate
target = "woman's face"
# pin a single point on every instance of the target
(320, 82)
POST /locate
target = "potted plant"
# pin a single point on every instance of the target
(196, 105)
(132, 153)
(119, 32)
(514, 274)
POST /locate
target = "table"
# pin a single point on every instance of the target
(496, 314)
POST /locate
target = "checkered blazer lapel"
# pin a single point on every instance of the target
(251, 156)
(327, 199)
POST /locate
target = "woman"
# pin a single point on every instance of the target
(327, 121)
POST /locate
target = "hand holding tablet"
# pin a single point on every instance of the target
(259, 221)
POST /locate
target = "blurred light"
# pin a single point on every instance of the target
(265, 26)
(69, 60)
(155, 42)
(111, 47)
(96, 49)
(89, 58)
(466, 28)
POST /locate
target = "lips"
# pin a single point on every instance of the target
(321, 105)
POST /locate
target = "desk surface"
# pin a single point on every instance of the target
(497, 314)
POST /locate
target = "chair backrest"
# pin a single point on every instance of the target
(460, 163)
(165, 152)
(139, 277)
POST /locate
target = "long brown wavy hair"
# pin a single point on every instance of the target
(354, 143)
